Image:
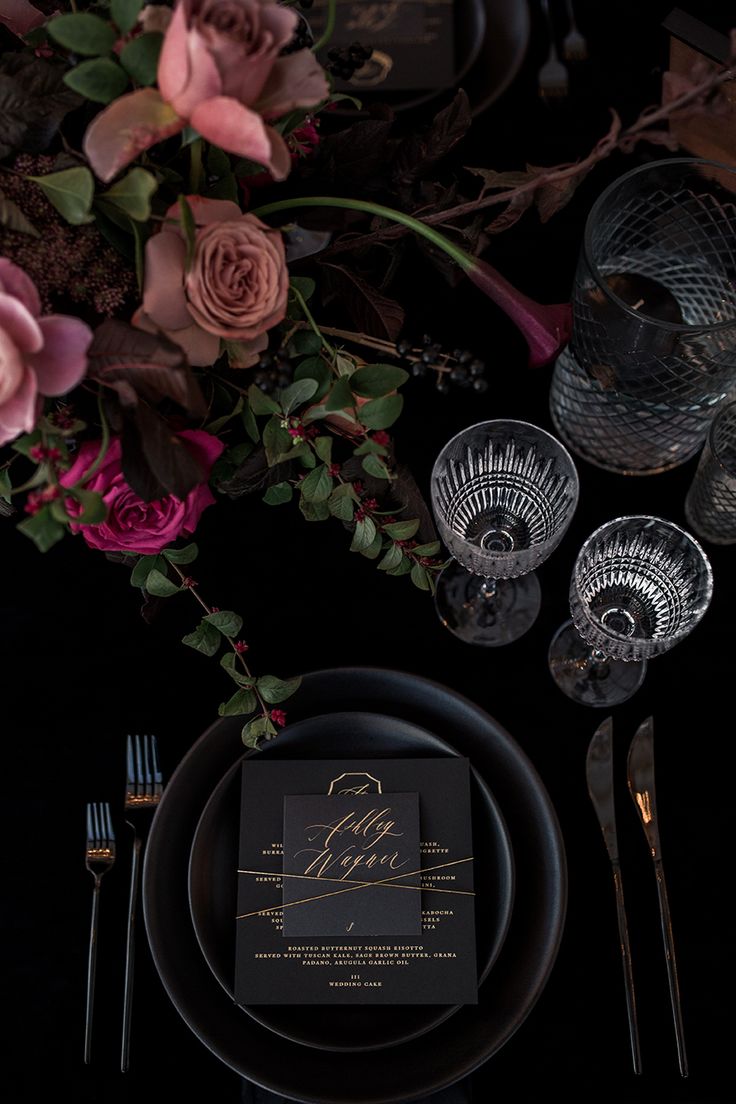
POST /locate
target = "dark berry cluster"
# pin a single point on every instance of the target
(460, 366)
(272, 371)
(344, 61)
(303, 38)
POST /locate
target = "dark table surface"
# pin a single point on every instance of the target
(80, 668)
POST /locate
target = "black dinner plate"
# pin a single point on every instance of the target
(213, 883)
(464, 1041)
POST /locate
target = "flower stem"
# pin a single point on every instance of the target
(104, 445)
(195, 165)
(463, 259)
(310, 318)
(329, 27)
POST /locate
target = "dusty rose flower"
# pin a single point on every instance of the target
(133, 525)
(235, 287)
(221, 71)
(38, 356)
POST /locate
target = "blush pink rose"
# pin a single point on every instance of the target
(133, 525)
(235, 288)
(38, 356)
(221, 71)
(20, 16)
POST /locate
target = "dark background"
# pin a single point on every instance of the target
(80, 668)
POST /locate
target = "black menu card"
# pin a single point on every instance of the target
(355, 883)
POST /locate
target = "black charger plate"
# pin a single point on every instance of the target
(213, 883)
(466, 1040)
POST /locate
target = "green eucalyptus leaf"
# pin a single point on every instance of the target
(316, 369)
(228, 622)
(125, 13)
(249, 423)
(317, 486)
(381, 413)
(276, 440)
(365, 532)
(132, 195)
(6, 486)
(341, 396)
(430, 549)
(374, 466)
(374, 380)
(298, 392)
(26, 441)
(392, 558)
(341, 502)
(344, 365)
(242, 702)
(83, 33)
(260, 402)
(314, 511)
(204, 639)
(373, 551)
(70, 191)
(370, 446)
(231, 664)
(42, 529)
(94, 510)
(189, 228)
(274, 690)
(278, 494)
(402, 568)
(305, 285)
(141, 571)
(254, 731)
(304, 343)
(12, 218)
(401, 530)
(185, 555)
(98, 79)
(419, 577)
(323, 447)
(139, 57)
(159, 585)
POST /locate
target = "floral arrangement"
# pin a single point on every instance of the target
(161, 339)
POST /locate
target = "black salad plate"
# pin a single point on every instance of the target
(465, 1040)
(213, 882)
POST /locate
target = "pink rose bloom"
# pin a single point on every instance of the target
(38, 356)
(235, 287)
(133, 525)
(220, 71)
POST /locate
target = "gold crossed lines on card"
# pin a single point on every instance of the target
(390, 883)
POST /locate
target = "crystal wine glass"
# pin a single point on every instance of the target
(503, 495)
(639, 585)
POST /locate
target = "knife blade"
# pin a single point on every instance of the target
(640, 771)
(599, 775)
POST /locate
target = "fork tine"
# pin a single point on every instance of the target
(90, 829)
(130, 763)
(147, 764)
(109, 832)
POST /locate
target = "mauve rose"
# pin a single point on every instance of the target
(220, 71)
(133, 525)
(20, 16)
(235, 287)
(38, 356)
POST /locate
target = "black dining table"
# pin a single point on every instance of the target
(80, 667)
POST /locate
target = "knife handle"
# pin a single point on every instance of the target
(623, 934)
(669, 950)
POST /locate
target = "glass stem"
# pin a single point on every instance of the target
(488, 589)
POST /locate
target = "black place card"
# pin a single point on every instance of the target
(413, 42)
(351, 865)
(292, 950)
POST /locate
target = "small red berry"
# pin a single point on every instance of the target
(381, 437)
(278, 716)
(240, 646)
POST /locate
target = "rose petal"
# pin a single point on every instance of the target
(187, 73)
(62, 362)
(206, 211)
(233, 127)
(202, 349)
(128, 126)
(12, 368)
(17, 283)
(20, 326)
(297, 80)
(18, 413)
(163, 291)
(205, 447)
(20, 17)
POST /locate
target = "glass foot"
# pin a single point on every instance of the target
(598, 682)
(488, 612)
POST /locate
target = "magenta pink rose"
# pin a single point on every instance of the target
(234, 289)
(222, 72)
(38, 356)
(133, 525)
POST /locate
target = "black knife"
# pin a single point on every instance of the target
(599, 773)
(641, 788)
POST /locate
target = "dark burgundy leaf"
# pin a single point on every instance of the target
(421, 150)
(371, 312)
(511, 213)
(357, 154)
(253, 474)
(33, 102)
(138, 364)
(156, 462)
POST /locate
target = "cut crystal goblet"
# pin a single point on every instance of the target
(503, 495)
(639, 586)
